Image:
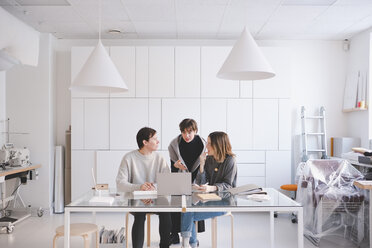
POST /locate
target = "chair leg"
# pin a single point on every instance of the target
(55, 241)
(126, 230)
(148, 219)
(214, 232)
(97, 239)
(232, 230)
(86, 241)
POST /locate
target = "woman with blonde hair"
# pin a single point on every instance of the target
(217, 172)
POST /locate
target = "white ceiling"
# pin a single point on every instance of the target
(196, 19)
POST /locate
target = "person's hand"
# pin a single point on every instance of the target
(203, 157)
(179, 165)
(147, 201)
(208, 188)
(147, 186)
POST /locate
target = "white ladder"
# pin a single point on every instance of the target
(321, 134)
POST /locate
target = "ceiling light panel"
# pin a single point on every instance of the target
(298, 13)
(197, 12)
(308, 2)
(151, 11)
(155, 27)
(34, 3)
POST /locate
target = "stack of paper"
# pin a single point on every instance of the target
(102, 199)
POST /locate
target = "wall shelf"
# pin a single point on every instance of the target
(354, 110)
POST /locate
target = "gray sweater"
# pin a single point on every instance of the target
(223, 175)
(136, 169)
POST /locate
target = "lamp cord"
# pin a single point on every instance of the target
(99, 19)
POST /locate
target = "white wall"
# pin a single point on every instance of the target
(29, 105)
(358, 60)
(2, 108)
(318, 80)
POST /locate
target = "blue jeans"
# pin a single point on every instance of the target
(188, 227)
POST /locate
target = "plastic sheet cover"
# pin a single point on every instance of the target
(332, 204)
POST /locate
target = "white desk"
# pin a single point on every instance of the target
(12, 171)
(278, 203)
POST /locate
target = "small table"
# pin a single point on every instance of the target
(368, 186)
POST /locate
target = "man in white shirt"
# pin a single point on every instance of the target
(138, 171)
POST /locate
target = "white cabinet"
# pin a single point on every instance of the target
(278, 168)
(213, 116)
(124, 59)
(79, 56)
(212, 59)
(155, 116)
(142, 71)
(77, 123)
(250, 157)
(82, 163)
(285, 124)
(251, 170)
(260, 181)
(280, 85)
(161, 71)
(127, 116)
(173, 112)
(108, 163)
(246, 89)
(265, 124)
(239, 123)
(96, 124)
(187, 70)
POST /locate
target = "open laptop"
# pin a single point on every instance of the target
(174, 183)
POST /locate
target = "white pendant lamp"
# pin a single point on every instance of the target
(99, 72)
(246, 61)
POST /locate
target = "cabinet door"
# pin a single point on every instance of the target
(79, 56)
(142, 71)
(96, 124)
(82, 163)
(278, 168)
(124, 59)
(211, 86)
(161, 71)
(187, 71)
(127, 116)
(265, 124)
(239, 123)
(77, 123)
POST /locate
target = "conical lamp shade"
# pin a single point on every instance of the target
(99, 73)
(246, 61)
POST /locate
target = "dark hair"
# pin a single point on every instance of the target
(144, 133)
(221, 146)
(187, 124)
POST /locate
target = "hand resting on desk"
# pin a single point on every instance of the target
(148, 187)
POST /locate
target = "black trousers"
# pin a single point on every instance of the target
(138, 229)
(176, 223)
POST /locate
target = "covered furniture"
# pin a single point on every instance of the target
(332, 204)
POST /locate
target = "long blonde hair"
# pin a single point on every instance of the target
(221, 145)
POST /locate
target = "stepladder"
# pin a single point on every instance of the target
(316, 134)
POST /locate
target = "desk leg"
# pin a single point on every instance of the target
(3, 194)
(67, 229)
(300, 228)
(370, 218)
(272, 234)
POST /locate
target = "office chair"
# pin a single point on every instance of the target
(290, 188)
(148, 231)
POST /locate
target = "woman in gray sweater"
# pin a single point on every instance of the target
(217, 172)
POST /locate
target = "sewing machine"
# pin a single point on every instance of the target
(14, 156)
